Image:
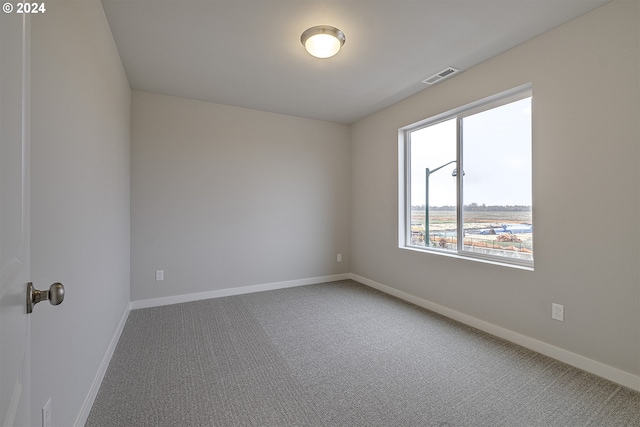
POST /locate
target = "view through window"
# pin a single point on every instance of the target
(486, 210)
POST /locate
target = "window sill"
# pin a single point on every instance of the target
(467, 257)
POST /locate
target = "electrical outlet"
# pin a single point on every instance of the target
(159, 275)
(46, 414)
(339, 257)
(557, 312)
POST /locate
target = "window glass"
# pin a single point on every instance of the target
(433, 187)
(496, 148)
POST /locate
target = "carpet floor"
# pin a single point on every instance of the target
(338, 354)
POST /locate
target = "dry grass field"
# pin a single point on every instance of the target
(483, 229)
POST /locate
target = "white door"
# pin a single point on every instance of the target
(14, 219)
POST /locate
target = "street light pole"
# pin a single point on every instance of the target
(426, 204)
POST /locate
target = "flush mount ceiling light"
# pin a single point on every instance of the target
(322, 41)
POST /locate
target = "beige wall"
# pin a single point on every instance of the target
(225, 197)
(80, 112)
(585, 77)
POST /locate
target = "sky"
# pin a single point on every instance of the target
(496, 153)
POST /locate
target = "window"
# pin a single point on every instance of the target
(465, 181)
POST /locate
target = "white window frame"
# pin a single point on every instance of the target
(404, 185)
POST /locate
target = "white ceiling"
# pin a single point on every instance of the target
(247, 53)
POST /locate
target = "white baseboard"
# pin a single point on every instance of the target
(81, 420)
(157, 302)
(597, 368)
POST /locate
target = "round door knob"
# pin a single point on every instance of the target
(56, 293)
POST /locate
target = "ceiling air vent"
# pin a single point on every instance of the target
(447, 72)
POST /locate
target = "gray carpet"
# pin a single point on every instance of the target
(338, 354)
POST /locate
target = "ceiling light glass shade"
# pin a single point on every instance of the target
(323, 41)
